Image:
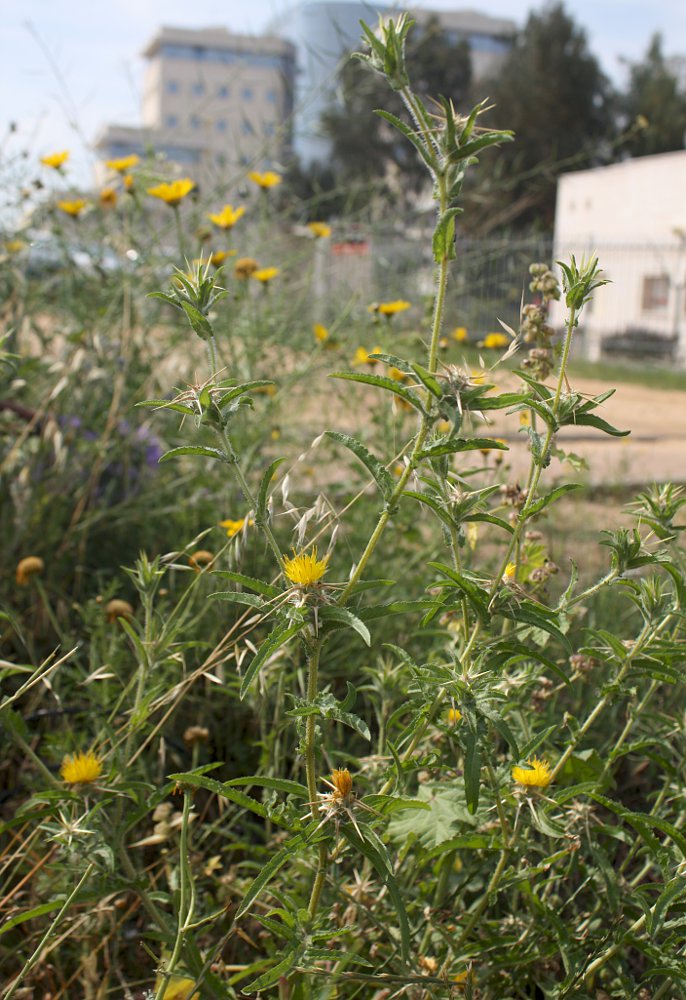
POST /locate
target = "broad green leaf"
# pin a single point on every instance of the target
(432, 827)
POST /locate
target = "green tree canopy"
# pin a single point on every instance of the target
(655, 95)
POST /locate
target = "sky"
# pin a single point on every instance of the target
(69, 66)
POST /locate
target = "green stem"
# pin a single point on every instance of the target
(186, 899)
(311, 772)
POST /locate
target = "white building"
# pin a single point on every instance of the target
(211, 100)
(633, 215)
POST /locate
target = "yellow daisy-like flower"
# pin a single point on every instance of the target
(454, 716)
(304, 569)
(362, 356)
(460, 334)
(73, 208)
(128, 183)
(228, 216)
(320, 332)
(342, 783)
(268, 179)
(108, 196)
(178, 988)
(319, 230)
(536, 775)
(55, 160)
(245, 266)
(265, 274)
(28, 567)
(233, 527)
(219, 256)
(81, 768)
(123, 164)
(391, 308)
(494, 341)
(173, 193)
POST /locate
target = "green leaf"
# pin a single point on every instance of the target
(462, 444)
(432, 827)
(200, 323)
(467, 842)
(274, 974)
(345, 617)
(551, 497)
(475, 594)
(383, 870)
(240, 390)
(428, 380)
(236, 597)
(248, 581)
(265, 483)
(37, 911)
(381, 475)
(383, 382)
(472, 770)
(167, 404)
(408, 133)
(591, 420)
(443, 241)
(275, 863)
(278, 637)
(191, 449)
(276, 784)
(672, 891)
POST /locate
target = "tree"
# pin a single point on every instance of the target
(552, 93)
(364, 147)
(654, 94)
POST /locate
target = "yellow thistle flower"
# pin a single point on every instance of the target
(320, 332)
(305, 569)
(536, 775)
(123, 164)
(15, 246)
(444, 427)
(218, 257)
(265, 274)
(116, 608)
(525, 418)
(108, 196)
(342, 784)
(391, 308)
(396, 374)
(245, 266)
(228, 216)
(81, 768)
(494, 341)
(362, 356)
(128, 183)
(510, 573)
(233, 527)
(267, 180)
(460, 334)
(173, 193)
(28, 567)
(319, 230)
(177, 988)
(55, 160)
(201, 559)
(73, 208)
(454, 716)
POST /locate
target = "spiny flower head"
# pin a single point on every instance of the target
(81, 768)
(217, 257)
(173, 193)
(536, 775)
(28, 567)
(391, 308)
(342, 784)
(228, 216)
(304, 569)
(268, 179)
(73, 208)
(265, 274)
(123, 164)
(319, 230)
(55, 160)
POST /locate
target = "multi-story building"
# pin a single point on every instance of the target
(211, 100)
(325, 32)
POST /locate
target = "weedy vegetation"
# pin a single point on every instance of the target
(308, 710)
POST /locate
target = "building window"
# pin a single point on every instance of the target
(172, 86)
(268, 128)
(195, 121)
(198, 89)
(271, 96)
(246, 127)
(223, 91)
(171, 121)
(655, 292)
(220, 125)
(247, 93)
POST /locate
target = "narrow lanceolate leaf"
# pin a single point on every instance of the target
(340, 615)
(193, 449)
(591, 420)
(167, 404)
(408, 133)
(251, 582)
(383, 382)
(472, 771)
(381, 866)
(200, 323)
(551, 497)
(277, 637)
(263, 492)
(443, 241)
(381, 475)
(234, 597)
(278, 860)
(275, 784)
(282, 968)
(240, 390)
(462, 444)
(428, 380)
